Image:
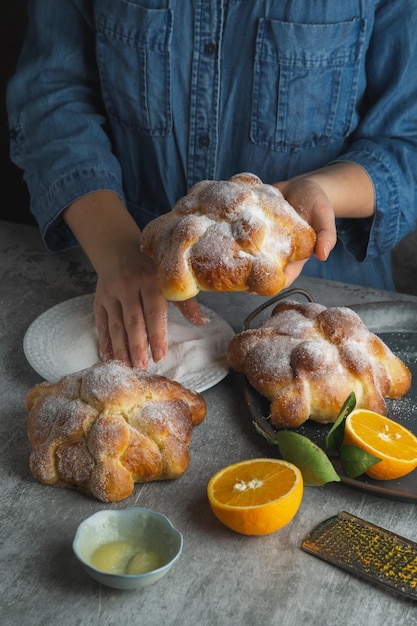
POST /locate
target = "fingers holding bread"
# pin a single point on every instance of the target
(233, 235)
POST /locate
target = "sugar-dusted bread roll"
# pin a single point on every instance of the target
(306, 359)
(234, 235)
(108, 427)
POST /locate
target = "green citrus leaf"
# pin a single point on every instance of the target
(356, 461)
(312, 461)
(335, 435)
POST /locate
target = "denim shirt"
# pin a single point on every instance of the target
(147, 97)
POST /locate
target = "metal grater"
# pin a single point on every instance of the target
(367, 551)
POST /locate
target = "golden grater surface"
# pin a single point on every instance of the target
(367, 550)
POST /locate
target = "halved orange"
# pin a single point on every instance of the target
(256, 496)
(384, 438)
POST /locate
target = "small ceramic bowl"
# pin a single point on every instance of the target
(128, 548)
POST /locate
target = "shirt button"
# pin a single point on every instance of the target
(204, 141)
(210, 48)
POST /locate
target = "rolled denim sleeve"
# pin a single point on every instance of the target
(155, 90)
(385, 142)
(56, 121)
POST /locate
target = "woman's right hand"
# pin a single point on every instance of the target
(131, 315)
(129, 311)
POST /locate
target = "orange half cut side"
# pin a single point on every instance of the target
(256, 496)
(384, 438)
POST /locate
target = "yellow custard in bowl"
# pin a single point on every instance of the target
(127, 549)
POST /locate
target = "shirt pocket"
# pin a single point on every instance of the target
(134, 59)
(305, 83)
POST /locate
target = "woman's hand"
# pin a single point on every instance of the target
(312, 203)
(339, 190)
(131, 315)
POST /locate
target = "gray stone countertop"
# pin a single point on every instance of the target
(222, 578)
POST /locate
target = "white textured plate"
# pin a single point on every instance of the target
(63, 340)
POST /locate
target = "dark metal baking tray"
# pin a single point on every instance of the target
(396, 324)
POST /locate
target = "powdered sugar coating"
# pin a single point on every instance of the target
(307, 359)
(104, 428)
(233, 235)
